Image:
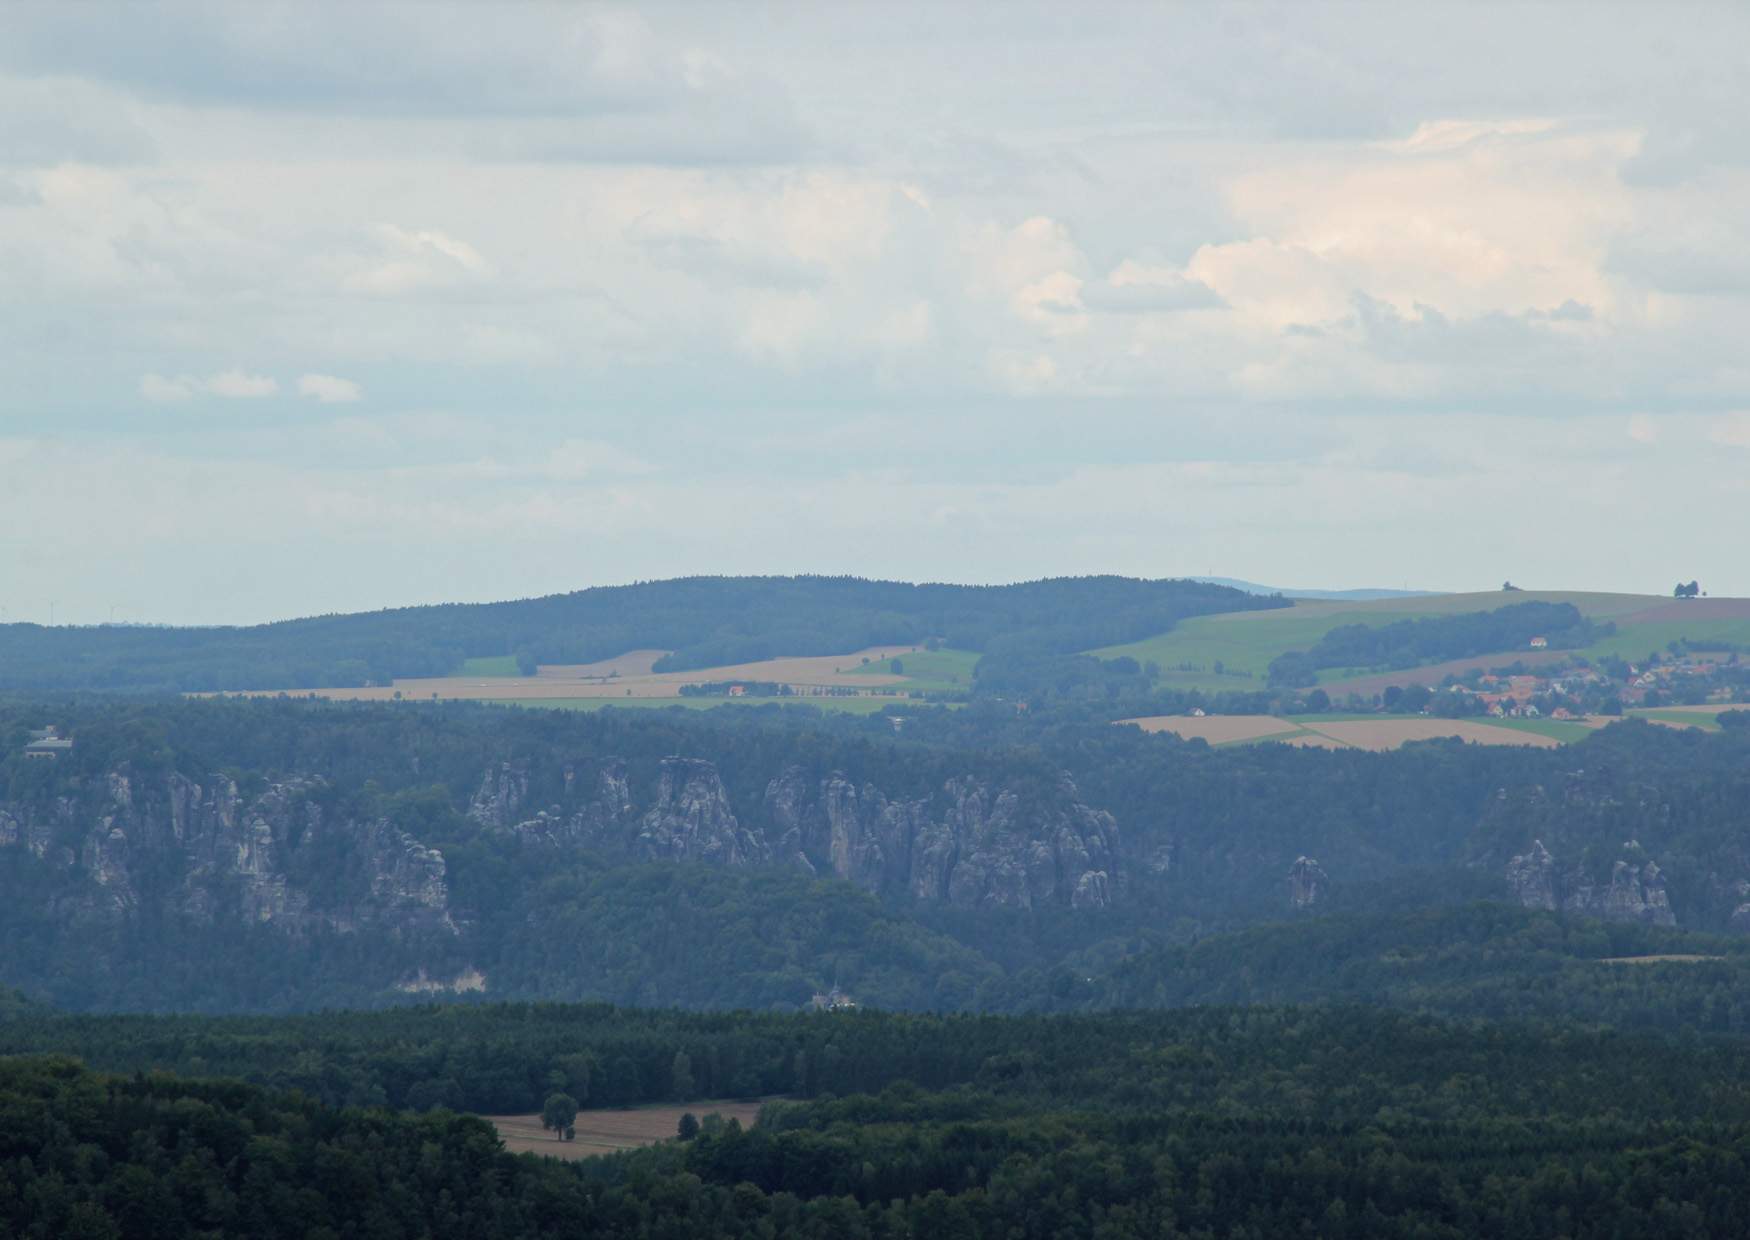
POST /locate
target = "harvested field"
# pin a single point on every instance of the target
(1675, 959)
(1694, 609)
(1313, 740)
(1383, 734)
(605, 1132)
(1217, 729)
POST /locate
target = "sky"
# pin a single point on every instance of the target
(310, 308)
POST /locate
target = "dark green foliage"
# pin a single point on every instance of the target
(1214, 1122)
(1482, 960)
(1435, 639)
(704, 621)
(558, 1113)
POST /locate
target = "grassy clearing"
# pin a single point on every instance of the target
(1634, 642)
(936, 671)
(490, 665)
(1244, 643)
(608, 1132)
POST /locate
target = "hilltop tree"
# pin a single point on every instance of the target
(1687, 591)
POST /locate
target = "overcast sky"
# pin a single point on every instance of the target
(311, 308)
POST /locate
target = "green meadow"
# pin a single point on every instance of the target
(490, 665)
(933, 671)
(1245, 642)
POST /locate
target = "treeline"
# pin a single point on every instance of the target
(704, 621)
(1216, 1122)
(1478, 961)
(1436, 639)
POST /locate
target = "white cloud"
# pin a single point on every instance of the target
(329, 389)
(161, 391)
(1732, 429)
(416, 260)
(236, 384)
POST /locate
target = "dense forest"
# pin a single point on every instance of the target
(1219, 1122)
(703, 621)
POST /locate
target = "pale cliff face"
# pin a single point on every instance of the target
(972, 845)
(215, 855)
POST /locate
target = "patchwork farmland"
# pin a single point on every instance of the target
(1210, 654)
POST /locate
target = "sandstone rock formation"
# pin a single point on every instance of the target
(1307, 883)
(229, 858)
(1635, 891)
(1741, 913)
(691, 820)
(977, 846)
(971, 845)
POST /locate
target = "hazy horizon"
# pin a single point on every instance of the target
(1288, 591)
(318, 309)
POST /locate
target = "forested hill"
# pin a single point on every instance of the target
(1212, 1123)
(704, 621)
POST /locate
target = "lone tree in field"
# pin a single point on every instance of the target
(559, 1114)
(688, 1127)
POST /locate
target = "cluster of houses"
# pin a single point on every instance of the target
(1511, 697)
(834, 1000)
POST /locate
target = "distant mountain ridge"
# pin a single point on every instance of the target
(700, 621)
(1352, 596)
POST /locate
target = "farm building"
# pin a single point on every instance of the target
(1539, 643)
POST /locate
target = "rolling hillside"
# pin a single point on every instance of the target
(692, 623)
(1233, 652)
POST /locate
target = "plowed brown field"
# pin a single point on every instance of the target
(1216, 729)
(1382, 734)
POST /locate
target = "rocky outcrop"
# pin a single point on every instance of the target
(1741, 911)
(1635, 890)
(691, 820)
(1532, 878)
(503, 793)
(1307, 883)
(1634, 893)
(972, 846)
(204, 851)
